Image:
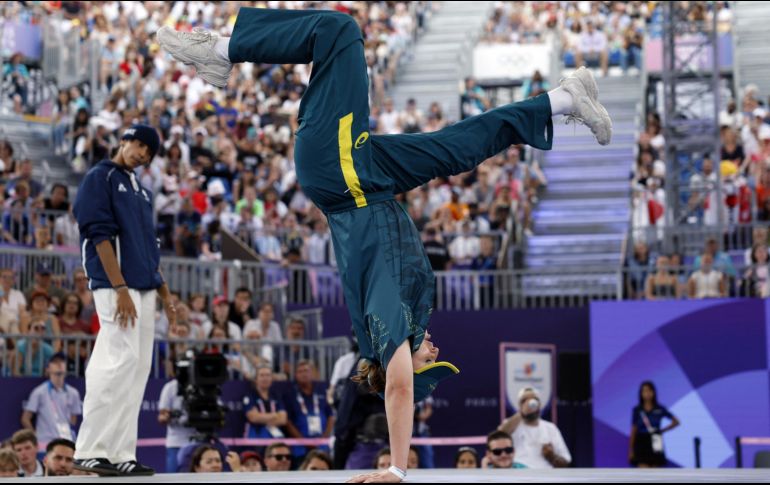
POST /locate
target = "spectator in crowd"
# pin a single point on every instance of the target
(278, 458)
(219, 318)
(66, 230)
(9, 464)
(241, 310)
(319, 246)
(251, 462)
(188, 230)
(17, 228)
(316, 461)
(534, 86)
(70, 312)
(390, 119)
(722, 261)
(206, 459)
(254, 353)
(198, 315)
(25, 176)
(413, 460)
(44, 284)
(382, 460)
(637, 268)
(539, 443)
(436, 250)
(24, 444)
(500, 451)
(486, 261)
(465, 247)
(412, 119)
(265, 411)
(265, 323)
(59, 458)
(296, 330)
(32, 353)
(12, 302)
(593, 47)
(310, 415)
(474, 100)
(466, 457)
(178, 345)
(759, 235)
(422, 413)
(756, 283)
(80, 288)
(171, 414)
(54, 405)
(662, 285)
(645, 446)
(707, 282)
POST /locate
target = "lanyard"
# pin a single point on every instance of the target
(261, 405)
(303, 407)
(647, 423)
(60, 415)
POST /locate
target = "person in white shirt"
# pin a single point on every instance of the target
(593, 47)
(538, 443)
(465, 247)
(12, 302)
(390, 119)
(171, 414)
(268, 328)
(707, 282)
(66, 231)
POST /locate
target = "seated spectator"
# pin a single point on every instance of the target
(437, 252)
(57, 202)
(411, 119)
(759, 235)
(382, 460)
(66, 230)
(265, 411)
(707, 282)
(662, 285)
(756, 283)
(474, 100)
(25, 176)
(500, 451)
(178, 345)
(265, 323)
(43, 238)
(32, 353)
(296, 330)
(267, 244)
(219, 318)
(278, 458)
(722, 261)
(24, 444)
(198, 315)
(251, 462)
(486, 261)
(70, 321)
(466, 457)
(9, 464)
(254, 353)
(188, 230)
(316, 461)
(59, 458)
(12, 303)
(54, 405)
(171, 413)
(637, 268)
(206, 459)
(465, 247)
(80, 288)
(44, 284)
(534, 86)
(538, 442)
(250, 201)
(413, 460)
(593, 48)
(310, 415)
(17, 228)
(241, 310)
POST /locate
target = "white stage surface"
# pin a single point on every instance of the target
(455, 476)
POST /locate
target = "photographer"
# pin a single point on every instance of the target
(538, 443)
(171, 414)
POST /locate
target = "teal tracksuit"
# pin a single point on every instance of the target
(352, 176)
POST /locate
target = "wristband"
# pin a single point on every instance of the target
(401, 474)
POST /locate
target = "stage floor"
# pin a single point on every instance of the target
(462, 476)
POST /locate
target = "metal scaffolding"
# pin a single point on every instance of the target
(690, 121)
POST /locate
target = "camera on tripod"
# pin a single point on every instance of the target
(200, 378)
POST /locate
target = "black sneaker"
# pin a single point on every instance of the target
(134, 469)
(100, 466)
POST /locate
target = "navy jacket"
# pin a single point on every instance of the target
(108, 207)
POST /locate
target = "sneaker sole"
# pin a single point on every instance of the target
(101, 473)
(164, 36)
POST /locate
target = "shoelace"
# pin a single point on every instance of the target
(199, 35)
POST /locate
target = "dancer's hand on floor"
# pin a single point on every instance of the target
(383, 476)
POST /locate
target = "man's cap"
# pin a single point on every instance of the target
(146, 134)
(43, 269)
(250, 455)
(220, 300)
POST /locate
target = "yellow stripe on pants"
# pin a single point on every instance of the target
(346, 160)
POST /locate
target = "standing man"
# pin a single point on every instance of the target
(171, 414)
(55, 404)
(121, 258)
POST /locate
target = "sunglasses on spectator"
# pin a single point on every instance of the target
(500, 451)
(280, 457)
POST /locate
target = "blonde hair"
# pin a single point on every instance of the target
(8, 460)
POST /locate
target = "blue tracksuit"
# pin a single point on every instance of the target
(109, 206)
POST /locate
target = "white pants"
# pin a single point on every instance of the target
(116, 376)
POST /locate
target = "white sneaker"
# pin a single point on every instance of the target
(197, 48)
(588, 110)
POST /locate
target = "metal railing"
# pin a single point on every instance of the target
(691, 239)
(77, 348)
